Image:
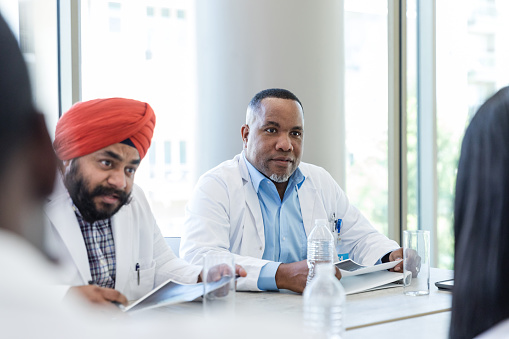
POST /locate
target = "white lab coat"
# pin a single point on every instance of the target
(224, 214)
(28, 306)
(138, 240)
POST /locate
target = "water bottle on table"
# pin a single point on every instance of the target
(324, 300)
(320, 246)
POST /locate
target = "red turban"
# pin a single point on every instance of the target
(92, 125)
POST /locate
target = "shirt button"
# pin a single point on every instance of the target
(261, 248)
(284, 238)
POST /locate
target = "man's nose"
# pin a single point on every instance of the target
(284, 143)
(117, 179)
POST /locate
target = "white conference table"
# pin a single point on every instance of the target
(378, 314)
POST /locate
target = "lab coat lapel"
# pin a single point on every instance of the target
(252, 201)
(308, 199)
(62, 216)
(122, 227)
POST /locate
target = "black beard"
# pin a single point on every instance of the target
(83, 199)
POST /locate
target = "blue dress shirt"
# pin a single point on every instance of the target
(285, 236)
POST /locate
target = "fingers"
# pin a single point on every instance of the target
(398, 267)
(214, 274)
(114, 295)
(219, 271)
(338, 273)
(99, 295)
(240, 271)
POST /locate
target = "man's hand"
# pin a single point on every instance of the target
(397, 255)
(412, 262)
(294, 276)
(99, 295)
(239, 271)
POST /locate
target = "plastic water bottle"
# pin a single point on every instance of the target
(320, 246)
(324, 300)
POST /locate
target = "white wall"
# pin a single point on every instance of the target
(249, 45)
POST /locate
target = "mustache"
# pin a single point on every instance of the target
(101, 190)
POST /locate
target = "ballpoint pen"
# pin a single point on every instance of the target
(138, 271)
(338, 225)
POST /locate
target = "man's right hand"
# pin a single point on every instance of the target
(293, 276)
(99, 295)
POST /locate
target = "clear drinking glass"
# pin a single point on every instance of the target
(416, 262)
(219, 283)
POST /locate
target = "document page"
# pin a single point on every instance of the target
(172, 292)
(372, 281)
(349, 267)
(359, 278)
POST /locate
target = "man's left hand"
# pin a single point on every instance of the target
(397, 255)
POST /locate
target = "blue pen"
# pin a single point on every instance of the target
(338, 225)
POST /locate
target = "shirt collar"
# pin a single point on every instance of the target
(297, 178)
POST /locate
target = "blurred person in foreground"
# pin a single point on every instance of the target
(28, 309)
(262, 204)
(481, 225)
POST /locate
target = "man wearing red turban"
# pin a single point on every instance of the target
(102, 221)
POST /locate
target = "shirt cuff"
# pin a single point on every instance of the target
(267, 277)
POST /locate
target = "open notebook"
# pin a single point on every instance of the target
(357, 278)
(172, 292)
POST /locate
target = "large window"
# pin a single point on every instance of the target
(366, 107)
(471, 61)
(34, 23)
(144, 50)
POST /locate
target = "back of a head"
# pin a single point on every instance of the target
(16, 108)
(28, 170)
(481, 226)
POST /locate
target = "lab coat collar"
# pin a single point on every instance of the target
(252, 201)
(122, 228)
(296, 179)
(61, 214)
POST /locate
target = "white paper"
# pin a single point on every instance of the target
(350, 268)
(369, 282)
(171, 292)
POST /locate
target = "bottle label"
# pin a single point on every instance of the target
(343, 256)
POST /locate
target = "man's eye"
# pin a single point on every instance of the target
(106, 163)
(130, 170)
(271, 130)
(297, 134)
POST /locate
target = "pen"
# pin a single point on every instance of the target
(338, 225)
(138, 271)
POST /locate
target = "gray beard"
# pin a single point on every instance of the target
(279, 178)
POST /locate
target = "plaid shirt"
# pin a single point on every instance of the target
(100, 249)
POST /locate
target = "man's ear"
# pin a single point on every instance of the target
(43, 159)
(244, 131)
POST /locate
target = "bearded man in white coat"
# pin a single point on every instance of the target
(262, 204)
(101, 221)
